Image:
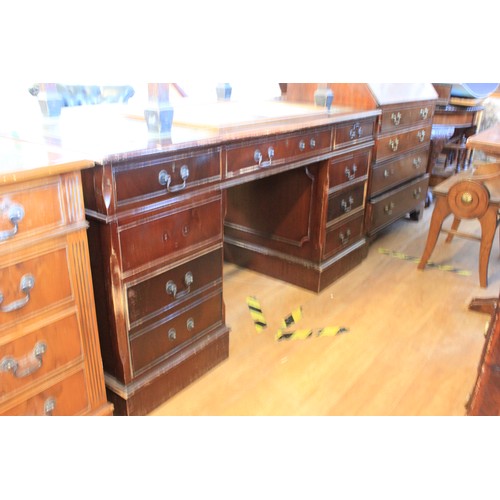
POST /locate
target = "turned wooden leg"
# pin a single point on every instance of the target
(441, 211)
(454, 227)
(488, 227)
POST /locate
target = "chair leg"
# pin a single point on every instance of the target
(488, 227)
(454, 227)
(441, 211)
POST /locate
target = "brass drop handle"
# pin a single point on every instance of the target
(165, 179)
(257, 156)
(172, 334)
(351, 174)
(396, 118)
(15, 214)
(388, 208)
(27, 365)
(417, 193)
(26, 285)
(421, 135)
(345, 206)
(302, 145)
(344, 238)
(394, 144)
(270, 154)
(171, 287)
(424, 113)
(417, 162)
(312, 143)
(386, 173)
(49, 406)
(356, 131)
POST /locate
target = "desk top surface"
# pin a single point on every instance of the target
(32, 146)
(487, 141)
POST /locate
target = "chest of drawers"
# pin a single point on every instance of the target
(50, 361)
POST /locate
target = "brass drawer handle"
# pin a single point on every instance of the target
(172, 334)
(417, 193)
(356, 131)
(350, 176)
(421, 135)
(49, 406)
(417, 162)
(312, 143)
(344, 238)
(386, 173)
(26, 285)
(424, 113)
(257, 156)
(15, 214)
(27, 365)
(165, 179)
(171, 287)
(347, 207)
(394, 144)
(270, 154)
(396, 118)
(388, 208)
(302, 145)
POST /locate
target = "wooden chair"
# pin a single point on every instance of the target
(467, 195)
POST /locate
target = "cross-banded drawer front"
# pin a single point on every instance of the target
(348, 168)
(343, 235)
(400, 143)
(67, 397)
(29, 211)
(153, 344)
(400, 117)
(166, 177)
(277, 150)
(387, 175)
(162, 292)
(37, 354)
(34, 284)
(160, 236)
(345, 202)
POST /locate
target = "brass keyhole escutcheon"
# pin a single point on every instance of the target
(467, 198)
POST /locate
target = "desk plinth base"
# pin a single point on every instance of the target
(148, 392)
(306, 274)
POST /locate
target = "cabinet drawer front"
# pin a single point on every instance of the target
(65, 398)
(29, 211)
(173, 231)
(35, 355)
(397, 203)
(166, 177)
(275, 151)
(166, 290)
(348, 168)
(152, 345)
(354, 132)
(345, 202)
(341, 236)
(395, 172)
(30, 286)
(399, 117)
(400, 143)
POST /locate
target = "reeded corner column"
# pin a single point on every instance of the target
(224, 91)
(323, 96)
(50, 100)
(159, 113)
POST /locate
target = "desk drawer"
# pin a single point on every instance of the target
(343, 203)
(31, 210)
(354, 132)
(166, 290)
(65, 398)
(161, 235)
(348, 168)
(277, 150)
(341, 236)
(152, 345)
(166, 176)
(396, 144)
(393, 173)
(400, 117)
(395, 204)
(33, 284)
(35, 355)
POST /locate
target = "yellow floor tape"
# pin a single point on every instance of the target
(256, 313)
(431, 265)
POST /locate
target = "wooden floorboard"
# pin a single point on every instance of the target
(412, 346)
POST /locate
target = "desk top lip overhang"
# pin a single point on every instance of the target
(32, 146)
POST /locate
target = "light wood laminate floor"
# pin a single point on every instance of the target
(412, 347)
